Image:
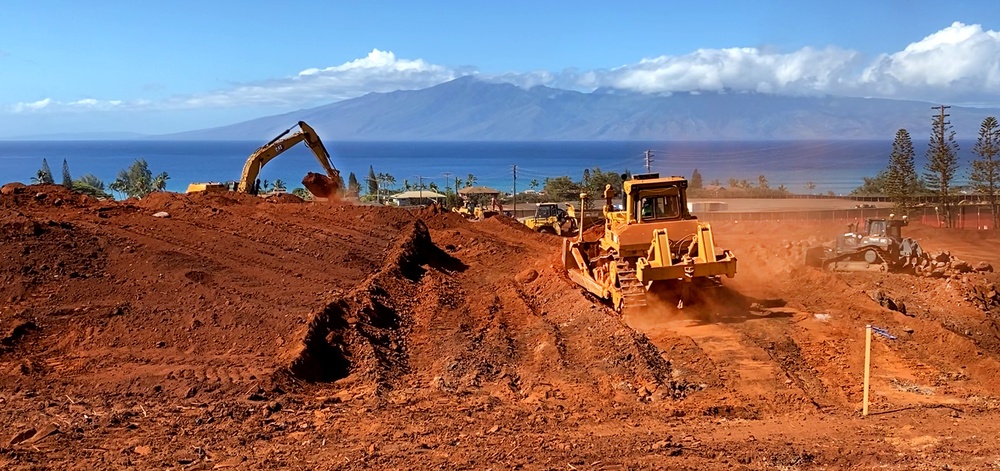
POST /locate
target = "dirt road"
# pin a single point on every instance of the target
(243, 333)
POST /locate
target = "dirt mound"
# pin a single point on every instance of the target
(31, 196)
(364, 332)
(242, 334)
(13, 188)
(283, 198)
(415, 317)
(45, 252)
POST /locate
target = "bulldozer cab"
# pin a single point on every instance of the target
(546, 211)
(658, 204)
(877, 227)
(891, 228)
(651, 199)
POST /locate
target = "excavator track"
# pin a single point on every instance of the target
(633, 292)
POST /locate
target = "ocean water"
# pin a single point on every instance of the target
(836, 166)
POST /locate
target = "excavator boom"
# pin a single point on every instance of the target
(321, 186)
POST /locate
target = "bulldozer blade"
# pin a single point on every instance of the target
(321, 186)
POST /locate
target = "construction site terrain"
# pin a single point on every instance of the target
(238, 332)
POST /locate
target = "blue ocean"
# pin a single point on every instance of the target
(836, 166)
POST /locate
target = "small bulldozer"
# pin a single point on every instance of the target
(549, 217)
(652, 247)
(475, 212)
(878, 246)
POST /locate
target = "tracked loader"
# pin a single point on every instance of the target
(652, 248)
(878, 246)
(549, 217)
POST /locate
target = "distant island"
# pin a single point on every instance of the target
(80, 136)
(469, 109)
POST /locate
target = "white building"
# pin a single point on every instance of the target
(417, 198)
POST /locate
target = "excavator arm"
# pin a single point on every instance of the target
(318, 185)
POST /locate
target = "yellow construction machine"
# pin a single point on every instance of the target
(549, 217)
(652, 248)
(321, 186)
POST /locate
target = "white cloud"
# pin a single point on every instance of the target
(960, 63)
(380, 71)
(807, 70)
(48, 105)
(32, 106)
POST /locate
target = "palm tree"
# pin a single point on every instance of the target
(160, 181)
(762, 181)
(278, 185)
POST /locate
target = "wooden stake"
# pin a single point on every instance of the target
(868, 365)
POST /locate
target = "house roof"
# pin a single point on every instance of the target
(418, 194)
(478, 190)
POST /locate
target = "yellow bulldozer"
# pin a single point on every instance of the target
(321, 186)
(652, 248)
(549, 217)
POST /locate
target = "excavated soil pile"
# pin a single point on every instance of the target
(244, 333)
(364, 332)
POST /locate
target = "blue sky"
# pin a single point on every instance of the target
(157, 67)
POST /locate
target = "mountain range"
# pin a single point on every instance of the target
(469, 109)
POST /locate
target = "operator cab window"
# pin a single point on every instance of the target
(877, 228)
(659, 207)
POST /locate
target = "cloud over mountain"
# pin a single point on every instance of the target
(958, 64)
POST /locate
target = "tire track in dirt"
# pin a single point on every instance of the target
(236, 260)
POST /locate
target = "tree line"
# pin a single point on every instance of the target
(135, 181)
(901, 183)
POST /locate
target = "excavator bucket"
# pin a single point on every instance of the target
(321, 186)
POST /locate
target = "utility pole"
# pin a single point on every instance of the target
(514, 196)
(447, 176)
(649, 159)
(420, 187)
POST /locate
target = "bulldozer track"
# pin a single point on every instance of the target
(886, 266)
(633, 292)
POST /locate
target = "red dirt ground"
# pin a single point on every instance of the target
(243, 333)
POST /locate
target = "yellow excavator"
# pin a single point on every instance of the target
(653, 247)
(321, 186)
